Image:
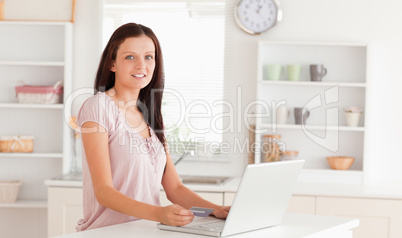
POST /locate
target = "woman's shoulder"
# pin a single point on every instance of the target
(97, 105)
(98, 98)
(99, 101)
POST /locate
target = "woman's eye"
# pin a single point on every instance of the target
(130, 57)
(149, 57)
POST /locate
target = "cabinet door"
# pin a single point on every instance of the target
(228, 198)
(302, 204)
(163, 199)
(214, 197)
(378, 217)
(64, 210)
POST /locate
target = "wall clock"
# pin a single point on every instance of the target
(257, 16)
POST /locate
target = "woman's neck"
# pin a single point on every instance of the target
(124, 99)
(126, 96)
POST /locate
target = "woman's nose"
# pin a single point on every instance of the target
(140, 64)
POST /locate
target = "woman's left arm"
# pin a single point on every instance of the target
(179, 194)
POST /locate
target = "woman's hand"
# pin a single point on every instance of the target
(221, 212)
(175, 215)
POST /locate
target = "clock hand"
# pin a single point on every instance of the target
(258, 10)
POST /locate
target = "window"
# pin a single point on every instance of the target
(192, 38)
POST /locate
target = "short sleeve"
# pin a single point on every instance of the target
(97, 109)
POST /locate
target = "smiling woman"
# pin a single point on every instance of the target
(126, 157)
(192, 35)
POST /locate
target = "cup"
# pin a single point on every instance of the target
(272, 72)
(293, 72)
(353, 118)
(282, 114)
(301, 115)
(317, 71)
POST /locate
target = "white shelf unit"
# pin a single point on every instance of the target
(346, 79)
(32, 63)
(31, 155)
(40, 204)
(314, 84)
(38, 53)
(31, 106)
(312, 127)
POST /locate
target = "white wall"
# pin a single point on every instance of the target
(87, 46)
(369, 21)
(376, 23)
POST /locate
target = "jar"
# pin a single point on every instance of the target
(269, 148)
(289, 155)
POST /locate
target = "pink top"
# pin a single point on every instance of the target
(137, 163)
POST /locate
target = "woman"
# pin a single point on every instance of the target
(126, 157)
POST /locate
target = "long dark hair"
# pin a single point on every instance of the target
(150, 97)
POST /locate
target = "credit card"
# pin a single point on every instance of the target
(201, 212)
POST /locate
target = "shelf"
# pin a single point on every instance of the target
(305, 43)
(315, 84)
(333, 171)
(32, 63)
(347, 66)
(314, 127)
(35, 23)
(25, 204)
(332, 176)
(31, 106)
(31, 155)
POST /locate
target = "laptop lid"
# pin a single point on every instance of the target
(262, 196)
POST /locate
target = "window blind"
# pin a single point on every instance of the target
(192, 37)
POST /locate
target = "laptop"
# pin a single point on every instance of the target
(260, 201)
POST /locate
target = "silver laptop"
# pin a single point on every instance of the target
(260, 202)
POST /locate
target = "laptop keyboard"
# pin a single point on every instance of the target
(210, 226)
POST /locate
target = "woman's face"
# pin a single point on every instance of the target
(135, 62)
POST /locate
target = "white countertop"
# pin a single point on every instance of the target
(378, 191)
(228, 186)
(293, 225)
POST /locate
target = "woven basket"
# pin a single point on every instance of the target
(9, 191)
(19, 144)
(39, 94)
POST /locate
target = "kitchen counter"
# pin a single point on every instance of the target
(382, 191)
(75, 181)
(68, 180)
(293, 225)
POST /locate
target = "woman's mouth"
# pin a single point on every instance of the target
(138, 75)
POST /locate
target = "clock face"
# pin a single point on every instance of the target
(256, 16)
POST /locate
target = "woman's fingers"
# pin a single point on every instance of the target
(176, 215)
(182, 211)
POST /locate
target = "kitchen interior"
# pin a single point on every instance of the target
(357, 43)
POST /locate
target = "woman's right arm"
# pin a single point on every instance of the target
(95, 141)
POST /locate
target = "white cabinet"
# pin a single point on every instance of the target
(65, 209)
(378, 217)
(325, 132)
(38, 53)
(214, 197)
(228, 198)
(302, 204)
